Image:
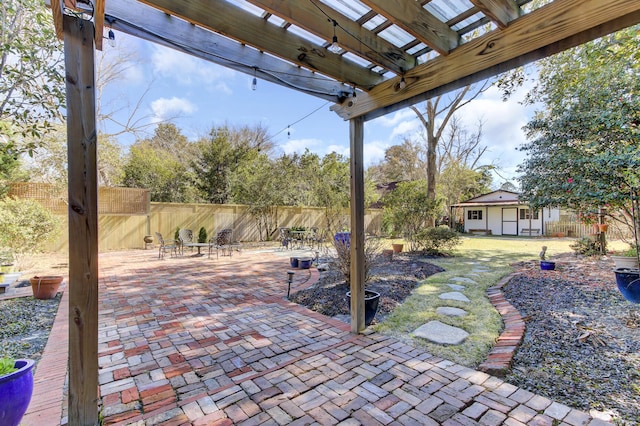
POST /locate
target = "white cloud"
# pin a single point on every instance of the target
(164, 108)
(391, 120)
(190, 71)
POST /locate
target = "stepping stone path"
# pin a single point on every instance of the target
(463, 280)
(454, 295)
(441, 333)
(451, 311)
(438, 332)
(456, 287)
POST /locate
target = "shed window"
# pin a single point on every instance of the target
(525, 214)
(474, 215)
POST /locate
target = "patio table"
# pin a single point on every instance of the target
(199, 246)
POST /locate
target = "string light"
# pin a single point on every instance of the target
(335, 47)
(403, 83)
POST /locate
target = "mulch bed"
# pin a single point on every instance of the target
(394, 280)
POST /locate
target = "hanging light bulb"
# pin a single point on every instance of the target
(112, 38)
(254, 82)
(403, 83)
(334, 47)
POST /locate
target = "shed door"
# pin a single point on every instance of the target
(510, 221)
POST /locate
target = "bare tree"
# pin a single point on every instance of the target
(438, 113)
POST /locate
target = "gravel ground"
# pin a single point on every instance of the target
(582, 341)
(24, 326)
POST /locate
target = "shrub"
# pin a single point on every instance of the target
(438, 239)
(176, 236)
(202, 235)
(372, 251)
(586, 246)
(25, 226)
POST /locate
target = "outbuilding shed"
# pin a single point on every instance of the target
(502, 213)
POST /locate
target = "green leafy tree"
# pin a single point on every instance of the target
(157, 170)
(32, 87)
(161, 164)
(220, 154)
(584, 148)
(408, 209)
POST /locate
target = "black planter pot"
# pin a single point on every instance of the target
(371, 300)
(628, 281)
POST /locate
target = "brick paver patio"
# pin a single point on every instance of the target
(197, 341)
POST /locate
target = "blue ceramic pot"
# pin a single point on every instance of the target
(15, 391)
(343, 238)
(546, 265)
(294, 262)
(628, 281)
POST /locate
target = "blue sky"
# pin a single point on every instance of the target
(197, 95)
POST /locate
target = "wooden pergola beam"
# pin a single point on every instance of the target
(146, 22)
(499, 11)
(252, 30)
(83, 220)
(351, 36)
(540, 33)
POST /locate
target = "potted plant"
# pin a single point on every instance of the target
(16, 388)
(45, 287)
(626, 259)
(628, 279)
(202, 235)
(372, 249)
(546, 265)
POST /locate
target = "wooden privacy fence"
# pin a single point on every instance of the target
(126, 216)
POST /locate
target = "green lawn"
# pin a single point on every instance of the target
(483, 322)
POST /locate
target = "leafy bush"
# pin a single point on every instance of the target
(25, 226)
(202, 235)
(438, 239)
(586, 246)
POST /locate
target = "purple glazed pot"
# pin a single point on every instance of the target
(16, 389)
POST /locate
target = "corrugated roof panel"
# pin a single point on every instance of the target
(447, 9)
(374, 22)
(396, 35)
(353, 9)
(307, 35)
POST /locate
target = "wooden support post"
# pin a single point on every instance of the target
(83, 221)
(356, 136)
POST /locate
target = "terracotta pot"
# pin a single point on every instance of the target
(45, 287)
(603, 227)
(397, 248)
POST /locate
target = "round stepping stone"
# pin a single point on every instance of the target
(456, 287)
(451, 311)
(441, 333)
(454, 295)
(479, 270)
(463, 280)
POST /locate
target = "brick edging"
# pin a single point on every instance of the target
(46, 406)
(501, 355)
